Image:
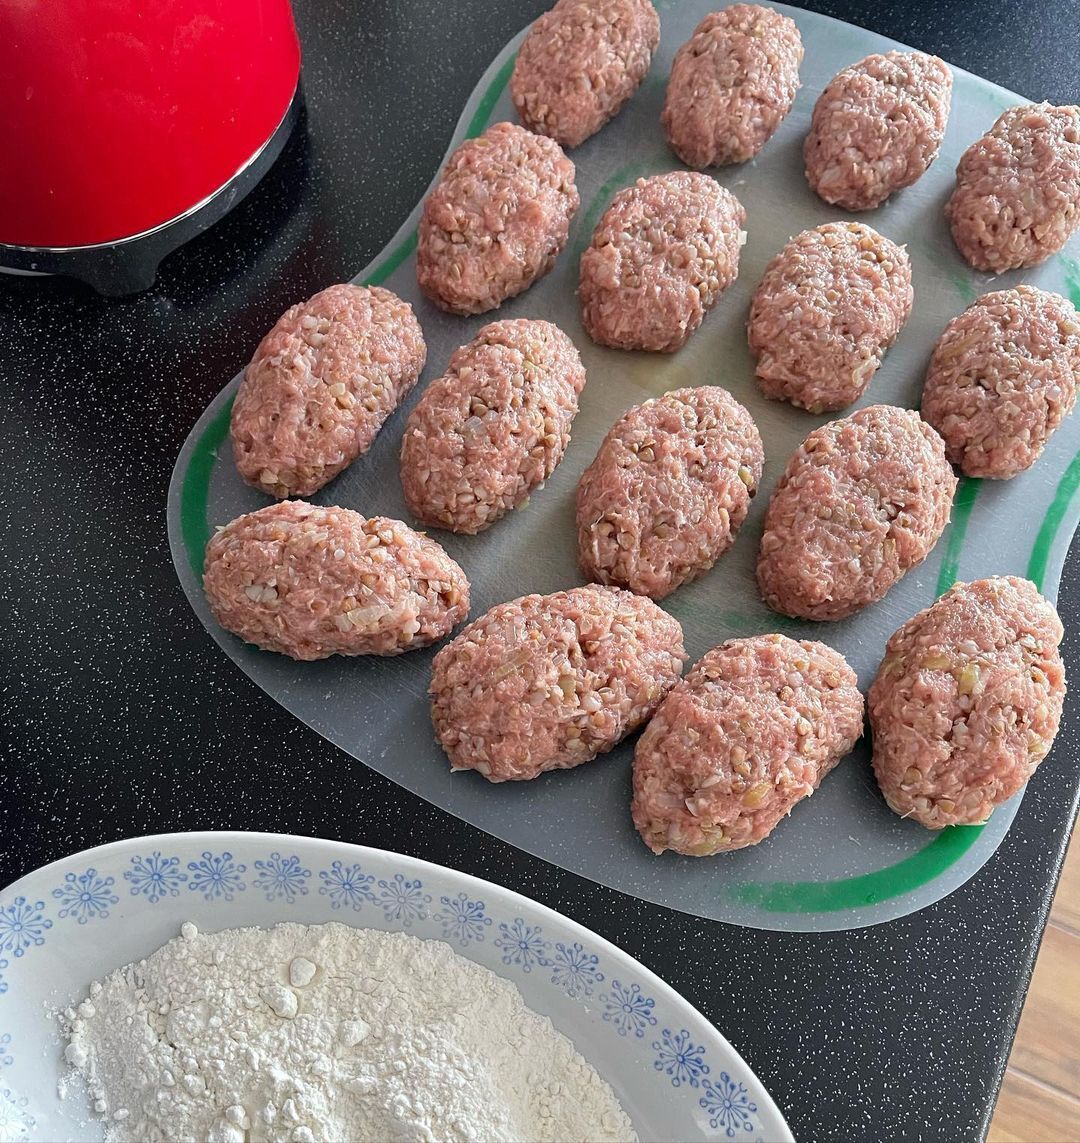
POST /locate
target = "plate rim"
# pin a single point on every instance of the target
(772, 1117)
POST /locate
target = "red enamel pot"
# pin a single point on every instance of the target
(131, 125)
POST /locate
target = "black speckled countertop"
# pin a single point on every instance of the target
(119, 716)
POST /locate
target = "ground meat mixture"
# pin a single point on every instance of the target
(876, 128)
(320, 386)
(547, 682)
(580, 63)
(668, 490)
(967, 701)
(750, 731)
(496, 221)
(1002, 378)
(1017, 197)
(862, 502)
(659, 259)
(311, 582)
(830, 304)
(732, 84)
(493, 427)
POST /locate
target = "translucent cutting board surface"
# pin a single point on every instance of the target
(842, 860)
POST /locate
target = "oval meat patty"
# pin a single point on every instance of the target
(829, 305)
(967, 701)
(310, 582)
(496, 221)
(659, 259)
(493, 427)
(547, 682)
(1017, 196)
(749, 733)
(320, 386)
(1002, 379)
(862, 502)
(668, 490)
(580, 63)
(731, 85)
(876, 128)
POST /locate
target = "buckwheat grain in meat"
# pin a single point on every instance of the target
(310, 582)
(493, 427)
(731, 85)
(496, 221)
(1002, 379)
(862, 502)
(580, 63)
(320, 386)
(751, 731)
(668, 490)
(876, 128)
(967, 701)
(659, 259)
(829, 305)
(547, 682)
(1017, 196)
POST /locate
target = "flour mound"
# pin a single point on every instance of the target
(302, 1033)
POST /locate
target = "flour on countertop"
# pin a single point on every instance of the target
(326, 1032)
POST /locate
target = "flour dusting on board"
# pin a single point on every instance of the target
(302, 1033)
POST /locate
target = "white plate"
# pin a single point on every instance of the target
(75, 920)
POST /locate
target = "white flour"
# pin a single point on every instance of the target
(326, 1032)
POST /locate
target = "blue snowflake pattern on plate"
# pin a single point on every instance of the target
(216, 876)
(680, 1058)
(628, 1009)
(347, 886)
(85, 896)
(6, 1058)
(15, 1122)
(403, 900)
(155, 877)
(282, 878)
(22, 926)
(462, 920)
(574, 970)
(3, 982)
(728, 1105)
(522, 945)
